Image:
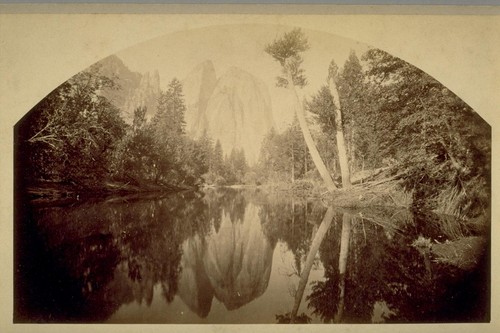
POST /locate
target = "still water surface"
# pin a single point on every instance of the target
(236, 256)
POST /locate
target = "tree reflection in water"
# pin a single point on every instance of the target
(195, 245)
(106, 254)
(304, 276)
(83, 262)
(375, 275)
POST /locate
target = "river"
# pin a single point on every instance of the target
(238, 256)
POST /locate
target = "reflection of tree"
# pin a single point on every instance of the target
(226, 200)
(383, 275)
(358, 272)
(304, 276)
(115, 252)
(327, 297)
(292, 222)
(324, 297)
(344, 252)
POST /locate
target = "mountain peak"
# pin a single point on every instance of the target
(135, 89)
(198, 87)
(235, 109)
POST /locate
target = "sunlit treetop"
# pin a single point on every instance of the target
(286, 50)
(290, 45)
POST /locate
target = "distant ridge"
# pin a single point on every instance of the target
(135, 89)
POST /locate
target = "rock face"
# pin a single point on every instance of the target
(234, 109)
(145, 95)
(133, 89)
(198, 87)
(237, 113)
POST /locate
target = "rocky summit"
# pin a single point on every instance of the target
(198, 87)
(237, 112)
(132, 89)
(234, 108)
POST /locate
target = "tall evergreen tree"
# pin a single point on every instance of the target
(286, 51)
(169, 117)
(218, 159)
(356, 108)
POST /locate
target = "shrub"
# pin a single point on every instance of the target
(302, 187)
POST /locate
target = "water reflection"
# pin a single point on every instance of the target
(233, 263)
(229, 255)
(304, 276)
(374, 275)
(195, 288)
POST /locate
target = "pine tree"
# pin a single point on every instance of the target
(286, 51)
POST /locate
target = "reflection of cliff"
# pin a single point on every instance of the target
(194, 286)
(233, 263)
(238, 260)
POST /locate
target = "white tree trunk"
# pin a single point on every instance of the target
(316, 157)
(344, 164)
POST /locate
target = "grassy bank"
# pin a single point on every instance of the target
(388, 193)
(378, 193)
(463, 253)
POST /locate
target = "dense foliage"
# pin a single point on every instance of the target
(284, 157)
(396, 116)
(71, 134)
(224, 170)
(433, 137)
(158, 151)
(77, 136)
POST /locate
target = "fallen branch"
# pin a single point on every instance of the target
(385, 180)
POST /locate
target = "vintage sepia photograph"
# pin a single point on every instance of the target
(252, 173)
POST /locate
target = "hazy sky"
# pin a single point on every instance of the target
(175, 55)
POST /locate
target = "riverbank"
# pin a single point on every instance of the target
(467, 238)
(387, 192)
(41, 192)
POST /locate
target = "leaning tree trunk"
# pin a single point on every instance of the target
(344, 165)
(318, 162)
